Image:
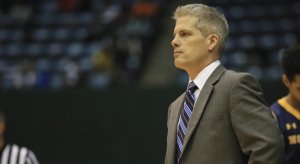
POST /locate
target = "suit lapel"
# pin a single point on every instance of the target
(201, 103)
(173, 122)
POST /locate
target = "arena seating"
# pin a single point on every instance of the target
(259, 32)
(58, 44)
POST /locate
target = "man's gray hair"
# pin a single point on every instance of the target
(210, 21)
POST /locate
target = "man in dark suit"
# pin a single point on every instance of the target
(222, 118)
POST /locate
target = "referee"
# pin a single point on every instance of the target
(12, 153)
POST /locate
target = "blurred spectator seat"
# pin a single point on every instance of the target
(59, 38)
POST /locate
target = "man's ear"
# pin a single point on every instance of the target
(285, 80)
(213, 40)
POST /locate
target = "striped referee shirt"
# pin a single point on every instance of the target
(14, 154)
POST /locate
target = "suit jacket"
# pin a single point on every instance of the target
(230, 124)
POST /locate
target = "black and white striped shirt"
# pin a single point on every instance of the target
(14, 154)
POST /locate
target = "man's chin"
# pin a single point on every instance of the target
(179, 65)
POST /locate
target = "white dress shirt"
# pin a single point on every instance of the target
(203, 76)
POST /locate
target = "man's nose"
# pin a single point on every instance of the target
(175, 42)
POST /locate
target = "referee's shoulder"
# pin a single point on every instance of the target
(22, 152)
(17, 146)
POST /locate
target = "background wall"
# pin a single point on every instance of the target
(123, 125)
(85, 127)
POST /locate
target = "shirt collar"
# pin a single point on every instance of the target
(205, 73)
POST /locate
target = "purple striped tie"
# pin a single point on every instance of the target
(185, 116)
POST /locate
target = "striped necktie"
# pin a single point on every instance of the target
(185, 116)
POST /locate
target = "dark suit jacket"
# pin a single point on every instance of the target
(230, 124)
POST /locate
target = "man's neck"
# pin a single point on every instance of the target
(193, 73)
(294, 103)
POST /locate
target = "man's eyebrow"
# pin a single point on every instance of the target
(181, 30)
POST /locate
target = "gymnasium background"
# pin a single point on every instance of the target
(90, 81)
